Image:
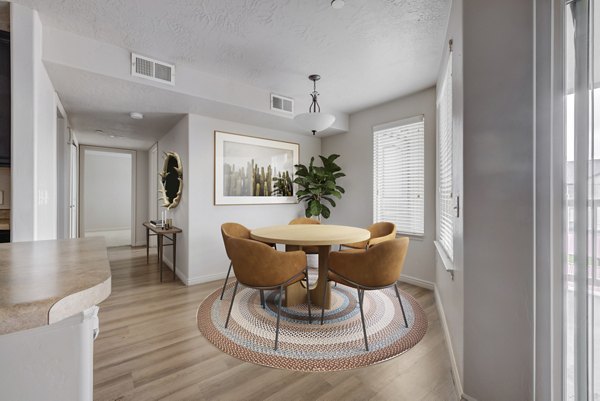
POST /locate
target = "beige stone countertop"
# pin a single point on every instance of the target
(43, 282)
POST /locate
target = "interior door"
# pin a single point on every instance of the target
(153, 187)
(73, 191)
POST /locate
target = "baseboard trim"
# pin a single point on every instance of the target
(417, 281)
(182, 276)
(444, 322)
(206, 278)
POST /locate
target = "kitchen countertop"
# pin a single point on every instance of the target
(43, 282)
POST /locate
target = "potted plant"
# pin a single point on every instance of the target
(318, 185)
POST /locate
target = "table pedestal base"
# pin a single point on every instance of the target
(296, 293)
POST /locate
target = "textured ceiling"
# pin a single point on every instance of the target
(368, 52)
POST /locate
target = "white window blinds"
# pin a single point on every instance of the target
(399, 162)
(445, 199)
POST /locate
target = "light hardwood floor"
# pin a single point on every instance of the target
(150, 348)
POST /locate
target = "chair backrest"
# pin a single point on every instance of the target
(258, 265)
(304, 220)
(378, 266)
(382, 231)
(233, 230)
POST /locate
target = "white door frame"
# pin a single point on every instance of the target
(133, 153)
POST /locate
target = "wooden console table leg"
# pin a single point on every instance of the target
(174, 254)
(159, 237)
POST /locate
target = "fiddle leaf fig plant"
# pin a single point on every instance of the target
(318, 185)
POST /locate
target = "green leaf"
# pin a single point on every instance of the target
(336, 194)
(325, 211)
(342, 190)
(339, 175)
(315, 207)
(330, 200)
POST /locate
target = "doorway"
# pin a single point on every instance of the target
(107, 196)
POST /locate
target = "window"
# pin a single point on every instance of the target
(445, 197)
(398, 175)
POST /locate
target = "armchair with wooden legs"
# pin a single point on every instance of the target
(375, 268)
(257, 265)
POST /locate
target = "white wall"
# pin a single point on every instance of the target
(450, 289)
(177, 140)
(200, 253)
(356, 159)
(208, 260)
(63, 162)
(498, 199)
(34, 164)
(107, 179)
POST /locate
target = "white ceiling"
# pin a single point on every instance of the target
(368, 52)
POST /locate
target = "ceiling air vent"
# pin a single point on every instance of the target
(282, 104)
(145, 67)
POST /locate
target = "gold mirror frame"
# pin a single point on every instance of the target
(163, 175)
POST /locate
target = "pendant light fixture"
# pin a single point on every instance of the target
(314, 120)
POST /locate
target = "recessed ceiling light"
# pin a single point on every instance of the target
(337, 4)
(135, 115)
(99, 131)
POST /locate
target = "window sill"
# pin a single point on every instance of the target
(448, 265)
(411, 236)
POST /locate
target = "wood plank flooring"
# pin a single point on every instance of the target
(149, 348)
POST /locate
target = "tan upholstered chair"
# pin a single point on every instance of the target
(235, 230)
(259, 266)
(374, 268)
(312, 250)
(380, 232)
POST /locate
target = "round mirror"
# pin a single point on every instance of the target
(171, 179)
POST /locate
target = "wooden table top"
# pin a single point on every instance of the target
(310, 234)
(43, 282)
(159, 230)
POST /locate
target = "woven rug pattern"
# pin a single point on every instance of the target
(338, 344)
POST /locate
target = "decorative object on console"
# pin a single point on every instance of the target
(319, 184)
(250, 170)
(171, 179)
(314, 120)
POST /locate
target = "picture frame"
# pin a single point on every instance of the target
(251, 170)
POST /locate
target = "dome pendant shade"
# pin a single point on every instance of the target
(314, 120)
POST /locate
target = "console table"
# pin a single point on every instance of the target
(161, 234)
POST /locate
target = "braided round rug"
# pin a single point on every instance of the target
(336, 345)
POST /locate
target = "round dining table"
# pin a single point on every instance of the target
(322, 236)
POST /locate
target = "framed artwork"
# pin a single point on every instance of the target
(250, 170)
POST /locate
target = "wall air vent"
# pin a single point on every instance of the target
(145, 67)
(282, 104)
